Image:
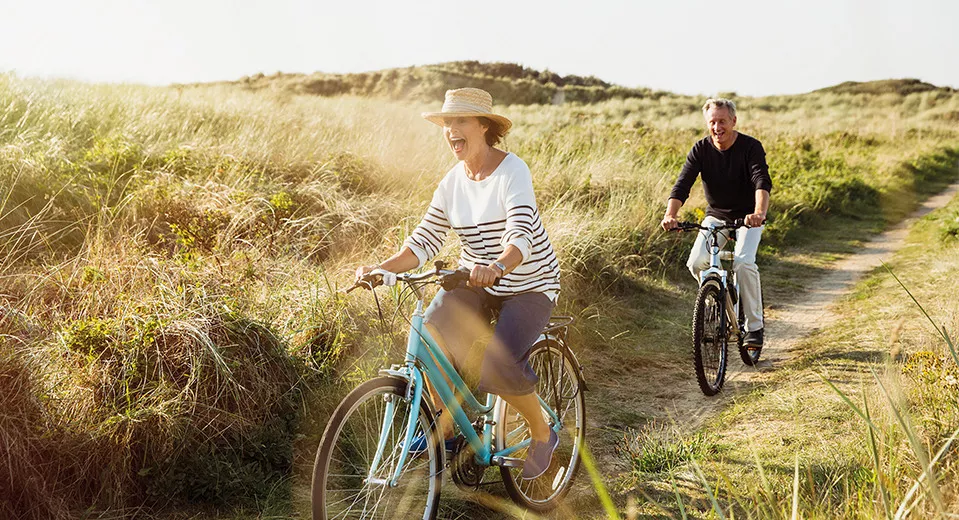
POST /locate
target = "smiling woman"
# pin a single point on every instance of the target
(493, 131)
(466, 109)
(487, 199)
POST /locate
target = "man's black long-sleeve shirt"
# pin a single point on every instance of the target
(730, 177)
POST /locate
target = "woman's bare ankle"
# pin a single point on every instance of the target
(540, 434)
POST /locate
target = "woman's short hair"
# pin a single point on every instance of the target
(495, 132)
(720, 103)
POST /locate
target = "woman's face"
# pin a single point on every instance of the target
(466, 136)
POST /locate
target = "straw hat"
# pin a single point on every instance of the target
(467, 102)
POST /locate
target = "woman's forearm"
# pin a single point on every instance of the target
(512, 257)
(401, 262)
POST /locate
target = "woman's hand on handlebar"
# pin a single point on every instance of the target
(483, 276)
(362, 270)
(398, 263)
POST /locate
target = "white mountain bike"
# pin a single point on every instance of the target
(718, 318)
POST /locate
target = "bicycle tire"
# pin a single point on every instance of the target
(347, 448)
(749, 356)
(561, 386)
(710, 338)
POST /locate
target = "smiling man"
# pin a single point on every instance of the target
(737, 185)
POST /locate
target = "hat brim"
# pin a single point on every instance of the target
(437, 117)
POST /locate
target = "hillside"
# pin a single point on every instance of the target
(172, 338)
(902, 87)
(509, 83)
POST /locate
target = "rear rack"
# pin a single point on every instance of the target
(558, 322)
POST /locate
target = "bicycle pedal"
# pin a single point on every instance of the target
(507, 462)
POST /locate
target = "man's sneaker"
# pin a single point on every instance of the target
(539, 456)
(754, 339)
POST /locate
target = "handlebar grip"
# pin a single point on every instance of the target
(369, 281)
(461, 275)
(451, 281)
(686, 226)
(741, 222)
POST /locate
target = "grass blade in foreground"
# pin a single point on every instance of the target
(598, 484)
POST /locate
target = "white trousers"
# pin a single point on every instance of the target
(744, 265)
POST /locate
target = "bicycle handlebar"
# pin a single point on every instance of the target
(447, 278)
(692, 226)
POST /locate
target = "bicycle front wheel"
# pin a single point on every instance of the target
(562, 389)
(344, 486)
(709, 338)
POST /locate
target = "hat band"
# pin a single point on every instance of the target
(453, 106)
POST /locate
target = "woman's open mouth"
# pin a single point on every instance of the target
(458, 143)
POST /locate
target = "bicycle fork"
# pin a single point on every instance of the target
(416, 389)
(728, 287)
(731, 313)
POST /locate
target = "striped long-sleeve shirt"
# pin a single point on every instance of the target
(488, 216)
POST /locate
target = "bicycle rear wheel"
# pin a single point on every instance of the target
(750, 355)
(710, 338)
(561, 387)
(341, 484)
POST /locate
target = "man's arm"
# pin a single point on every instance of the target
(672, 213)
(759, 173)
(758, 216)
(680, 191)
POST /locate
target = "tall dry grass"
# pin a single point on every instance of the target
(170, 326)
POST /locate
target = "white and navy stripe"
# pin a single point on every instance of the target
(488, 216)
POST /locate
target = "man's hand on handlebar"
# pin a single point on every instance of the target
(755, 220)
(670, 223)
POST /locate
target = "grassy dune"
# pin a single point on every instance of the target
(507, 82)
(169, 258)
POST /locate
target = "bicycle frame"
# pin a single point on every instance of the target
(715, 265)
(715, 270)
(419, 362)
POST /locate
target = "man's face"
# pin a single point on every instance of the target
(721, 126)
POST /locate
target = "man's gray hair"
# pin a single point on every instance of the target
(720, 103)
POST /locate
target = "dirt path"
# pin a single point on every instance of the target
(793, 320)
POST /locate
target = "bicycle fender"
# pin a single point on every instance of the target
(403, 374)
(561, 345)
(712, 273)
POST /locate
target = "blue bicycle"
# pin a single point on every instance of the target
(382, 455)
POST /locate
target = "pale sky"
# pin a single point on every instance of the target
(687, 46)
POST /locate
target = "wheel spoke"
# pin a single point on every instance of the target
(558, 386)
(348, 448)
(709, 339)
